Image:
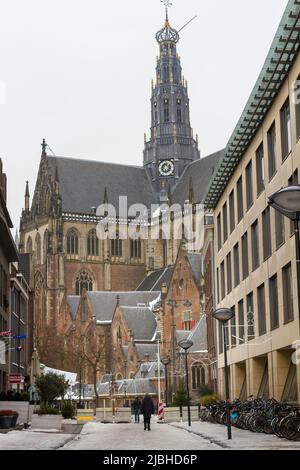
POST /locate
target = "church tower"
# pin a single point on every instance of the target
(171, 146)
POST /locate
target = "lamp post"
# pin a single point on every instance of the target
(186, 344)
(125, 396)
(166, 362)
(287, 202)
(175, 304)
(223, 315)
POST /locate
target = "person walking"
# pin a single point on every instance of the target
(137, 409)
(147, 410)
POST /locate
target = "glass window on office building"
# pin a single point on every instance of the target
(255, 245)
(286, 130)
(272, 151)
(273, 296)
(267, 240)
(249, 185)
(229, 273)
(241, 322)
(260, 170)
(239, 194)
(222, 281)
(287, 283)
(236, 265)
(261, 310)
(231, 211)
(297, 104)
(219, 230)
(245, 259)
(225, 223)
(233, 329)
(292, 181)
(279, 229)
(250, 317)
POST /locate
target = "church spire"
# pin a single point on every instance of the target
(27, 197)
(44, 148)
(172, 145)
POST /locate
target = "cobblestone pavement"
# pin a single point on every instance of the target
(33, 440)
(99, 436)
(176, 436)
(246, 440)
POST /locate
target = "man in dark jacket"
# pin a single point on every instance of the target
(137, 409)
(147, 410)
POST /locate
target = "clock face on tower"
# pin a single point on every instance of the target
(166, 168)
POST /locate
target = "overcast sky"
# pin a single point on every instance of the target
(78, 72)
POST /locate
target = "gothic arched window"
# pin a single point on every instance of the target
(37, 248)
(83, 281)
(92, 244)
(40, 312)
(116, 247)
(29, 245)
(136, 248)
(72, 242)
(45, 245)
(166, 110)
(198, 376)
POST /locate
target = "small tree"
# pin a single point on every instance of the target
(204, 390)
(181, 395)
(50, 387)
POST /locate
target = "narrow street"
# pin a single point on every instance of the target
(177, 436)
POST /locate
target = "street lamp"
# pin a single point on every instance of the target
(125, 396)
(223, 315)
(287, 202)
(175, 304)
(166, 362)
(186, 344)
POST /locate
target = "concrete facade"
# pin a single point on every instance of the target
(261, 357)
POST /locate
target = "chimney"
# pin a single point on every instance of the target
(3, 181)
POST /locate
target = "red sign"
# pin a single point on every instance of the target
(5, 333)
(15, 378)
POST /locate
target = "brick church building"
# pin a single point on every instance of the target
(59, 226)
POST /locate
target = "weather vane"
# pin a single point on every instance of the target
(167, 3)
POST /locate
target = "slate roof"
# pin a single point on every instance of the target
(143, 349)
(82, 183)
(73, 301)
(149, 370)
(133, 387)
(181, 334)
(154, 281)
(141, 321)
(195, 260)
(104, 303)
(200, 172)
(199, 336)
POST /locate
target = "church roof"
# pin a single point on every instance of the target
(198, 335)
(73, 301)
(83, 182)
(154, 281)
(195, 260)
(141, 322)
(144, 348)
(199, 173)
(104, 303)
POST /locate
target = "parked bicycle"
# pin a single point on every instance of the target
(257, 415)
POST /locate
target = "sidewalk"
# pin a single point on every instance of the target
(242, 440)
